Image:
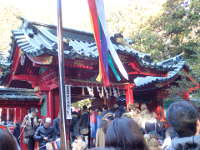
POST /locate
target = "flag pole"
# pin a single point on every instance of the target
(64, 123)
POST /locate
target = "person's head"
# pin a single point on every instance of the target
(125, 134)
(79, 137)
(106, 120)
(116, 106)
(7, 141)
(108, 117)
(47, 122)
(17, 125)
(105, 108)
(143, 107)
(33, 111)
(92, 109)
(99, 111)
(84, 108)
(130, 107)
(137, 105)
(183, 117)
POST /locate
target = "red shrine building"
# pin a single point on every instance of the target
(30, 73)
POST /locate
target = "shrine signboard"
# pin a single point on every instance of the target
(68, 101)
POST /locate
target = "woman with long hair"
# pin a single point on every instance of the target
(7, 141)
(125, 134)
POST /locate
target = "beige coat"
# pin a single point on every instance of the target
(29, 130)
(100, 138)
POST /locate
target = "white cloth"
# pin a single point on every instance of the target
(167, 142)
(186, 143)
(79, 144)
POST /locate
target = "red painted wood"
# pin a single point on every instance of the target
(14, 104)
(50, 106)
(56, 102)
(129, 94)
(186, 95)
(194, 89)
(15, 117)
(143, 73)
(138, 71)
(18, 115)
(15, 64)
(32, 79)
(48, 80)
(79, 64)
(160, 111)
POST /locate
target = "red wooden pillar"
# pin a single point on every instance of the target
(160, 111)
(3, 114)
(15, 115)
(56, 103)
(1, 109)
(24, 112)
(129, 94)
(18, 115)
(186, 95)
(50, 110)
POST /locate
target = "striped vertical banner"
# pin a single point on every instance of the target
(107, 53)
(101, 44)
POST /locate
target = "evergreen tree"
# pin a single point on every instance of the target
(175, 31)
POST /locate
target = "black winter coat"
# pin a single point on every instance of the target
(56, 126)
(42, 132)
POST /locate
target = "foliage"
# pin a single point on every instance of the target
(174, 30)
(9, 22)
(180, 86)
(169, 31)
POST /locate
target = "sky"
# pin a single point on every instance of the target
(75, 12)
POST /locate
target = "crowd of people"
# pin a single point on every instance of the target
(136, 128)
(117, 128)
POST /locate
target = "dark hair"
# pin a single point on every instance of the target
(84, 107)
(99, 109)
(32, 109)
(130, 107)
(125, 134)
(182, 116)
(105, 107)
(7, 141)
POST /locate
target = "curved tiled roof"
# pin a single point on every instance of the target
(37, 39)
(18, 94)
(176, 64)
